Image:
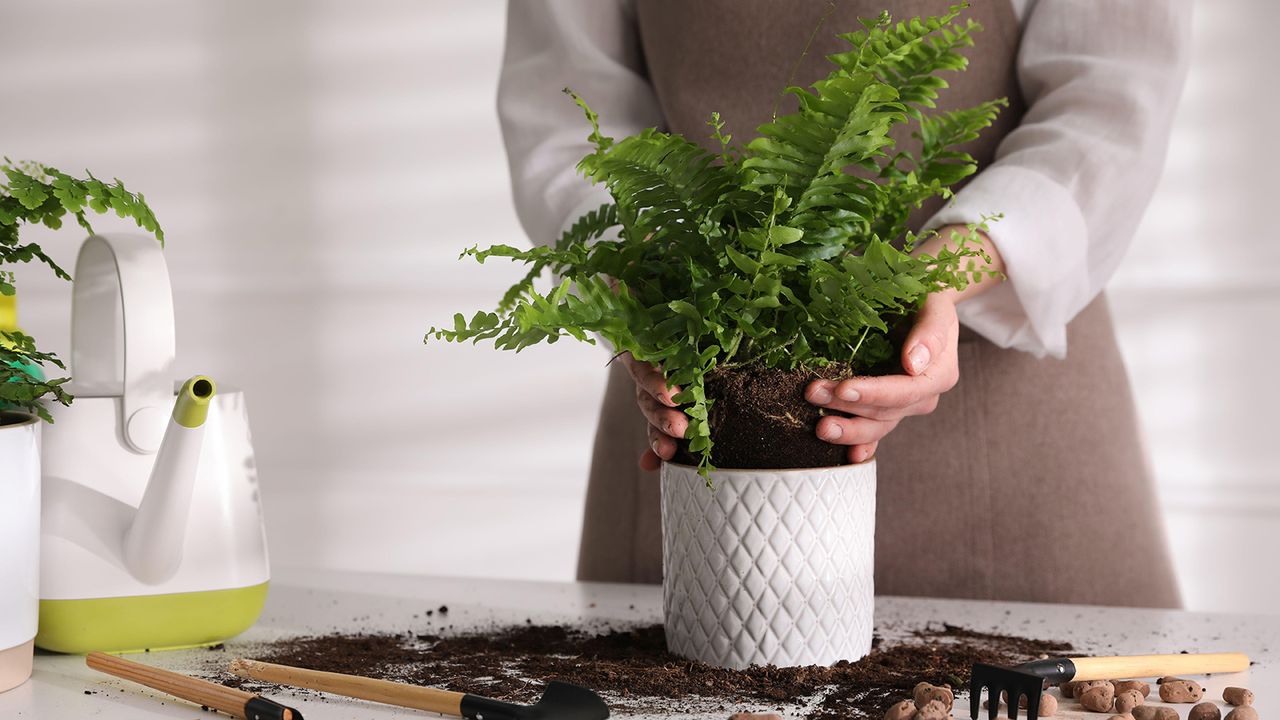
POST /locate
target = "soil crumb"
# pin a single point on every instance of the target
(631, 668)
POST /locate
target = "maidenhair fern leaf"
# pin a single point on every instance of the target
(31, 193)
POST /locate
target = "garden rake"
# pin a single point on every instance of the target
(1028, 679)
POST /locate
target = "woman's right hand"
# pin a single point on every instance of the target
(667, 422)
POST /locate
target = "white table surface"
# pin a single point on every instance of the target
(314, 601)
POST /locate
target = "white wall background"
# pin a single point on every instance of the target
(318, 166)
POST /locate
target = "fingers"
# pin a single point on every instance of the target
(662, 445)
(853, 431)
(929, 358)
(934, 333)
(668, 420)
(650, 379)
(657, 403)
(863, 453)
(897, 391)
(890, 397)
(649, 461)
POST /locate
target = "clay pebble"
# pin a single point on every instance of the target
(1120, 717)
(933, 710)
(924, 693)
(904, 710)
(1098, 698)
(1244, 712)
(1122, 685)
(1128, 700)
(1204, 711)
(1155, 712)
(1238, 696)
(1181, 691)
(1067, 689)
(1080, 687)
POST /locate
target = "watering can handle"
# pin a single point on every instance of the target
(122, 337)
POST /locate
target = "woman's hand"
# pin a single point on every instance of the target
(929, 357)
(880, 403)
(666, 421)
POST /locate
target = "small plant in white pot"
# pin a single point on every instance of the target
(33, 194)
(744, 274)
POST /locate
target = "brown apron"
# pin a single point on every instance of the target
(1029, 482)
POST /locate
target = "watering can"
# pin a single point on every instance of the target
(151, 528)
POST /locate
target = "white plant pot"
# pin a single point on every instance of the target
(19, 544)
(769, 567)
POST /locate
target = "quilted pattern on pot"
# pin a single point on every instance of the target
(769, 567)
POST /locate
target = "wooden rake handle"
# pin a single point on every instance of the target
(1141, 666)
(236, 703)
(444, 702)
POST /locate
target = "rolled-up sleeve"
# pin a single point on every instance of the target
(1101, 81)
(592, 47)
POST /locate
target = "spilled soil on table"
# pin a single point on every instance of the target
(631, 668)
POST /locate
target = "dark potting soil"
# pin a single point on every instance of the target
(633, 670)
(761, 420)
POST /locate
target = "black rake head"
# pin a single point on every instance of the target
(1012, 681)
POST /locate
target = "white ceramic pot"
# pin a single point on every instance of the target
(769, 567)
(19, 544)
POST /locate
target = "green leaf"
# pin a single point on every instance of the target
(778, 259)
(755, 239)
(744, 263)
(683, 308)
(783, 235)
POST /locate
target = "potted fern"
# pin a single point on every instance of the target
(763, 266)
(34, 194)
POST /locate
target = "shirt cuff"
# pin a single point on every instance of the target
(1042, 238)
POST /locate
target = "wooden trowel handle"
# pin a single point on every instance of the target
(444, 702)
(1144, 666)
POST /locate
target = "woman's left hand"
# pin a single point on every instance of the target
(929, 357)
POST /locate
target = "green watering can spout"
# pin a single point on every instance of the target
(192, 407)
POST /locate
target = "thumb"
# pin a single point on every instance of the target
(935, 322)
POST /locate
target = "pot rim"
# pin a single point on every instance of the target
(785, 471)
(7, 419)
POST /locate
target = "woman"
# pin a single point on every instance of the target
(1024, 480)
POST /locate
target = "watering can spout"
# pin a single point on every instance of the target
(153, 543)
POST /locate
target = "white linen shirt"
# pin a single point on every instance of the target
(1100, 81)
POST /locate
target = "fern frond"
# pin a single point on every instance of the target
(660, 182)
(584, 231)
(602, 142)
(938, 133)
(908, 55)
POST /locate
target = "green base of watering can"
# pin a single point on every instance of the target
(148, 622)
